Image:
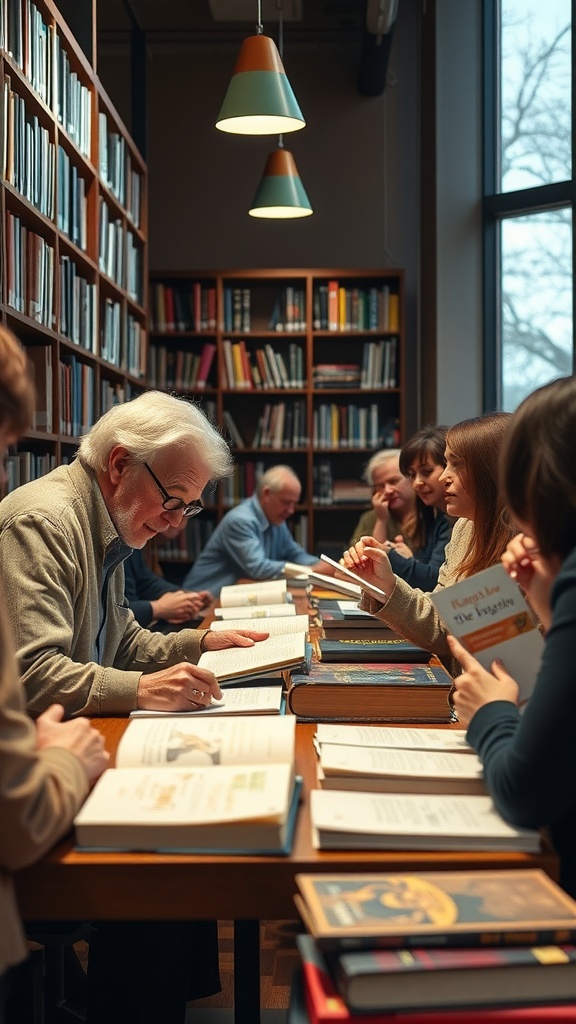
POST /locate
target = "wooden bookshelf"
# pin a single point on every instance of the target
(304, 367)
(72, 289)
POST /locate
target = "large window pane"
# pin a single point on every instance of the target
(535, 93)
(536, 282)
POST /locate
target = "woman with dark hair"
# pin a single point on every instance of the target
(530, 758)
(422, 462)
(478, 540)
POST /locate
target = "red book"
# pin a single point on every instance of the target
(169, 307)
(206, 359)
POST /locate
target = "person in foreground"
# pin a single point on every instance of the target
(478, 540)
(45, 768)
(63, 538)
(392, 517)
(530, 758)
(422, 462)
(252, 540)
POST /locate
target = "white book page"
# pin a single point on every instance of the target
(388, 736)
(370, 588)
(338, 586)
(276, 626)
(408, 815)
(181, 742)
(260, 611)
(266, 592)
(238, 700)
(233, 662)
(408, 764)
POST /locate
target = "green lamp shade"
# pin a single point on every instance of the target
(259, 100)
(280, 193)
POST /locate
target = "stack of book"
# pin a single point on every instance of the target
(418, 945)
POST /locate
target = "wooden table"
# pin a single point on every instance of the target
(69, 885)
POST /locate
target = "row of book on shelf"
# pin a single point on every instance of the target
(182, 306)
(264, 367)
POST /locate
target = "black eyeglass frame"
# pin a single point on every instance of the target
(173, 504)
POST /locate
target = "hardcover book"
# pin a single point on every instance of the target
(489, 615)
(314, 999)
(411, 821)
(209, 785)
(510, 907)
(371, 693)
(382, 649)
(338, 615)
(437, 979)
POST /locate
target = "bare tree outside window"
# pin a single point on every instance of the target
(535, 150)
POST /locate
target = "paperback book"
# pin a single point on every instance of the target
(471, 908)
(250, 594)
(370, 693)
(212, 785)
(389, 770)
(337, 616)
(273, 655)
(390, 821)
(489, 615)
(448, 739)
(236, 700)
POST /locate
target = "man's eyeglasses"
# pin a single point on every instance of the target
(173, 504)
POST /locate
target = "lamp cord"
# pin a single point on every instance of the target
(259, 26)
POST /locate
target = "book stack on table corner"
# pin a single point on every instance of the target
(463, 947)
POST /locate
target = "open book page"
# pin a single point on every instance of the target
(370, 588)
(177, 742)
(337, 759)
(264, 592)
(237, 700)
(489, 615)
(259, 611)
(275, 652)
(384, 736)
(276, 626)
(389, 821)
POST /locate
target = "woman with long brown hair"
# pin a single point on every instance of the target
(479, 537)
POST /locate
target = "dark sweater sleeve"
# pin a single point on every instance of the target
(422, 569)
(142, 586)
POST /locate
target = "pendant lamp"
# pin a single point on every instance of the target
(280, 193)
(259, 100)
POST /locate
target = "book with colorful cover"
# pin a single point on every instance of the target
(492, 907)
(371, 693)
(381, 649)
(314, 999)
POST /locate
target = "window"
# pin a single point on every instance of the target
(529, 196)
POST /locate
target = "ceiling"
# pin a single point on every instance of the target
(189, 22)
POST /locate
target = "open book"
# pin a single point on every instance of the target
(236, 700)
(489, 615)
(389, 736)
(256, 611)
(221, 785)
(389, 821)
(274, 655)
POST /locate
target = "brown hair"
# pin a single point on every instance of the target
(428, 442)
(538, 466)
(477, 443)
(16, 386)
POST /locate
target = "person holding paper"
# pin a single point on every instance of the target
(478, 540)
(530, 758)
(252, 540)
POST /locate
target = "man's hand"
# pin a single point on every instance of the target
(177, 605)
(218, 640)
(77, 735)
(182, 687)
(476, 686)
(368, 558)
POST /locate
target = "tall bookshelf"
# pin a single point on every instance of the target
(304, 367)
(73, 246)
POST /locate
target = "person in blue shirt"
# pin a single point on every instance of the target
(252, 541)
(157, 603)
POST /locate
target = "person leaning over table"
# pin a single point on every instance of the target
(63, 538)
(45, 767)
(479, 537)
(392, 516)
(252, 540)
(529, 759)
